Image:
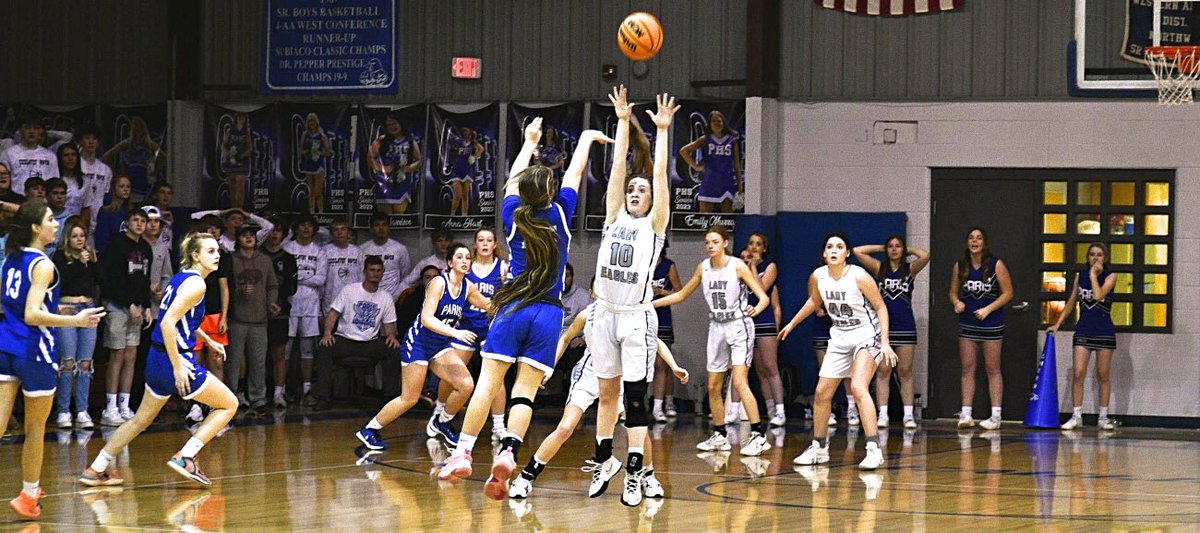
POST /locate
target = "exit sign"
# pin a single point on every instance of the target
(465, 67)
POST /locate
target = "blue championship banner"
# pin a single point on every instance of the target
(1179, 27)
(330, 46)
(561, 127)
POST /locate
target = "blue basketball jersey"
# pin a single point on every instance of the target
(559, 216)
(475, 318)
(977, 293)
(1095, 319)
(17, 337)
(662, 274)
(718, 155)
(897, 289)
(767, 316)
(449, 311)
(185, 329)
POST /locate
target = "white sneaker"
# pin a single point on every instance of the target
(520, 488)
(280, 401)
(852, 418)
(660, 417)
(991, 423)
(195, 414)
(882, 421)
(756, 445)
(1073, 423)
(651, 488)
(965, 422)
(778, 420)
(874, 458)
(242, 401)
(83, 420)
(716, 442)
(601, 474)
(669, 407)
(126, 413)
(1106, 424)
(814, 455)
(731, 416)
(111, 417)
(910, 422)
(632, 495)
(63, 420)
(832, 419)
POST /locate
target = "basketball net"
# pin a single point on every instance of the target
(1175, 69)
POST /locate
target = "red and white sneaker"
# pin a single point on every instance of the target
(502, 470)
(458, 466)
(26, 505)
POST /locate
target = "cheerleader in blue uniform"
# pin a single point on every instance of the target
(665, 283)
(721, 165)
(172, 369)
(1094, 332)
(393, 156)
(549, 154)
(980, 287)
(766, 329)
(465, 151)
(314, 148)
(236, 150)
(896, 278)
(28, 355)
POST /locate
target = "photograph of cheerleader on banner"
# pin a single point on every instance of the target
(639, 157)
(460, 193)
(709, 163)
(136, 138)
(393, 154)
(561, 127)
(241, 157)
(317, 161)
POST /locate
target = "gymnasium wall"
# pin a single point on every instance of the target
(829, 164)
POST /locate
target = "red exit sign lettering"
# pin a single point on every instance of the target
(465, 67)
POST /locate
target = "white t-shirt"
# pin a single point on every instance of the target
(362, 313)
(75, 194)
(310, 278)
(343, 266)
(395, 263)
(410, 280)
(25, 163)
(97, 178)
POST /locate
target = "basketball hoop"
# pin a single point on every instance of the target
(1175, 68)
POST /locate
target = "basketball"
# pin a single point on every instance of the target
(640, 36)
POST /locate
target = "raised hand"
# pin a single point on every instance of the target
(533, 132)
(594, 135)
(620, 102)
(666, 111)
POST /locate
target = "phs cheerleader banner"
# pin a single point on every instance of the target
(392, 159)
(561, 127)
(241, 157)
(136, 137)
(709, 168)
(316, 161)
(460, 192)
(639, 158)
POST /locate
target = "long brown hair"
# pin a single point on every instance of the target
(20, 235)
(985, 263)
(537, 188)
(885, 266)
(642, 162)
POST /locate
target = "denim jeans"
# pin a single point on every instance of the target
(78, 345)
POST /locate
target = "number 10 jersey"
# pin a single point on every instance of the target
(625, 262)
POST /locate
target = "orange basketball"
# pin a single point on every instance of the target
(640, 36)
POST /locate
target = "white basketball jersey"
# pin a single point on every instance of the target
(723, 291)
(625, 262)
(844, 301)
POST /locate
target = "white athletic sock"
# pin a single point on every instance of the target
(497, 422)
(779, 410)
(1103, 412)
(123, 400)
(908, 411)
(601, 438)
(658, 406)
(30, 488)
(191, 448)
(851, 405)
(278, 390)
(996, 413)
(438, 409)
(770, 406)
(466, 443)
(1077, 412)
(445, 417)
(966, 411)
(102, 461)
(637, 449)
(307, 387)
(374, 424)
(111, 402)
(883, 411)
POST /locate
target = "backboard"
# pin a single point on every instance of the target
(1107, 57)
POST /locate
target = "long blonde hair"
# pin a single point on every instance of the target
(191, 245)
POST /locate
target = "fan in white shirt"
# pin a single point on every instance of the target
(394, 255)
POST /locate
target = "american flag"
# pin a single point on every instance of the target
(891, 7)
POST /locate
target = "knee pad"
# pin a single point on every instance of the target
(636, 412)
(517, 400)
